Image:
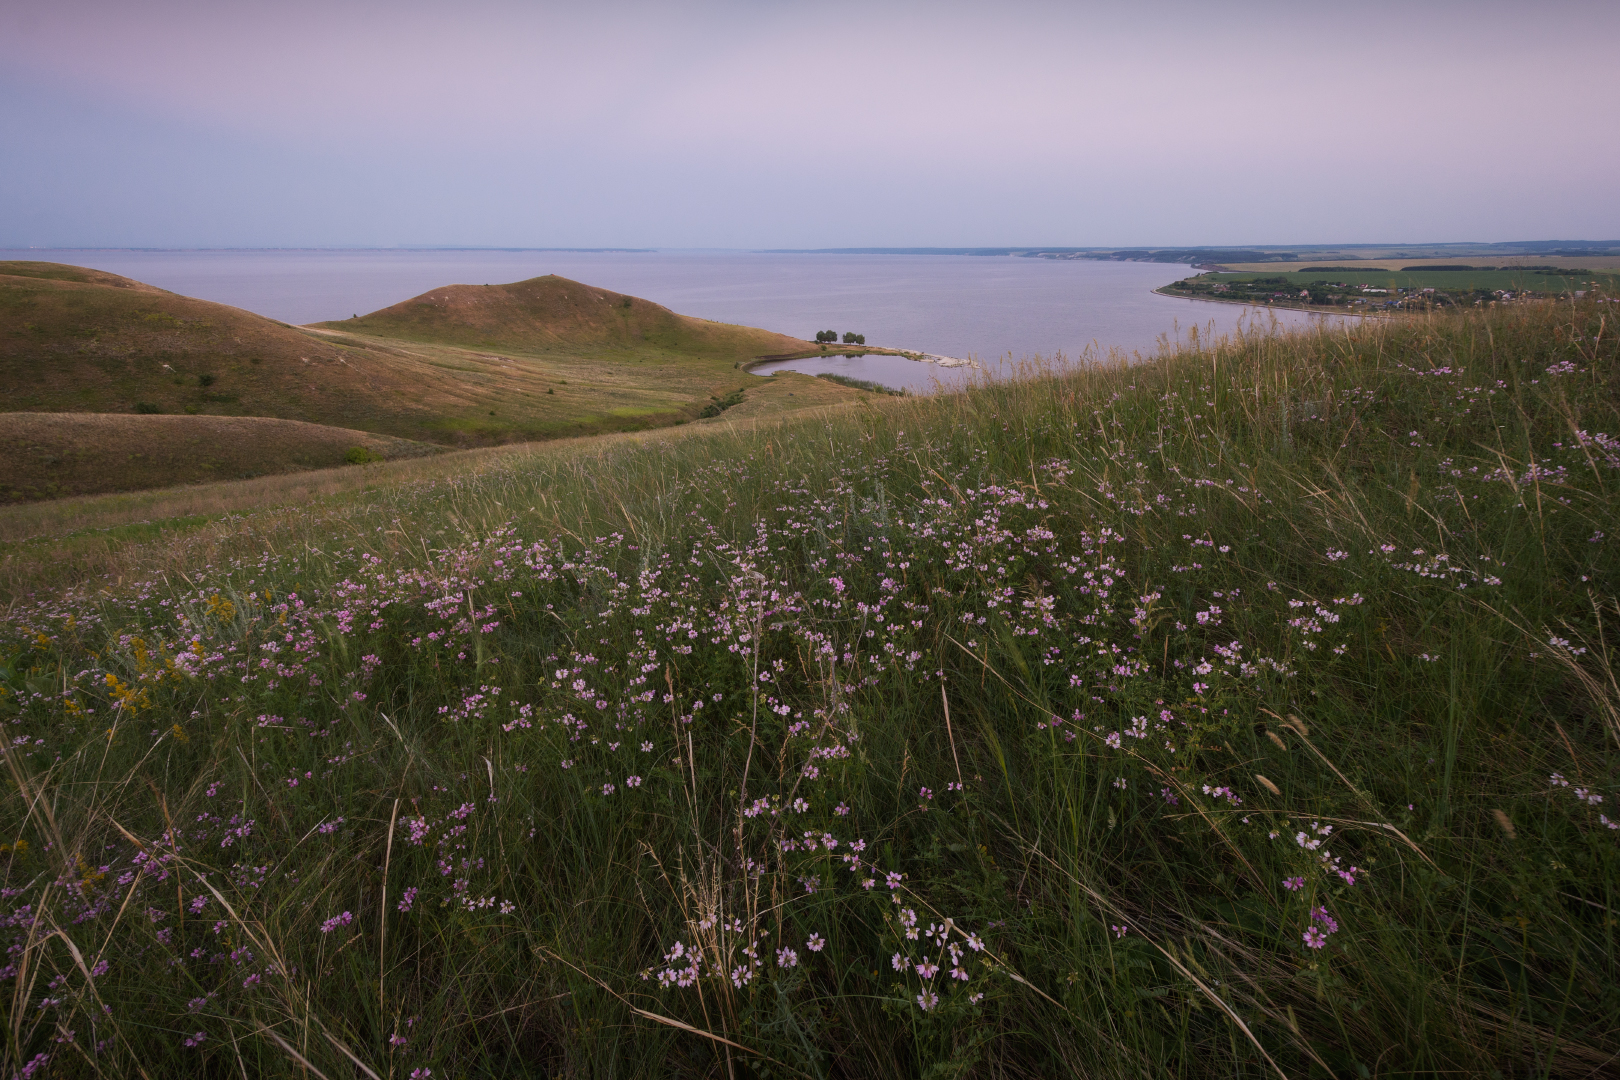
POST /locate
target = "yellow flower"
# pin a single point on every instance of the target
(91, 876)
(127, 696)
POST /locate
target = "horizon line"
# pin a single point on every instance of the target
(861, 250)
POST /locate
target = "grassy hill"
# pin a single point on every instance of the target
(78, 340)
(1250, 711)
(552, 314)
(463, 366)
(55, 455)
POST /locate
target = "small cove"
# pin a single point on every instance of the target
(898, 372)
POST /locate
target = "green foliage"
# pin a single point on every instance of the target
(1247, 710)
(360, 455)
(718, 405)
(146, 408)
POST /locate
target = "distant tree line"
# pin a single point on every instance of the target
(850, 337)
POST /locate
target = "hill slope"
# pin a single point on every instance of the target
(1247, 712)
(554, 314)
(552, 358)
(78, 340)
(53, 455)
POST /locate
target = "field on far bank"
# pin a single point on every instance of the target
(1513, 280)
(1561, 262)
(1251, 711)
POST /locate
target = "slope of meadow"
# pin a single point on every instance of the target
(1247, 712)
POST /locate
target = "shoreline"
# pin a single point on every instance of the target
(852, 354)
(1285, 307)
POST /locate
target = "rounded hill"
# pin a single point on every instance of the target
(79, 340)
(554, 314)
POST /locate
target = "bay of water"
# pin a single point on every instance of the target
(995, 309)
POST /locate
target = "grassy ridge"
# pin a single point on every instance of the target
(1194, 718)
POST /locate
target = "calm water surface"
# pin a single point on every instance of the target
(993, 309)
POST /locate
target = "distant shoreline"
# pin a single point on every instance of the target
(1273, 307)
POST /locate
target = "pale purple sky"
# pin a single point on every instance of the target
(792, 123)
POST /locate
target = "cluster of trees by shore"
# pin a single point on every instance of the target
(826, 337)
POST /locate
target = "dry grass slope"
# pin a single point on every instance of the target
(78, 340)
(52, 455)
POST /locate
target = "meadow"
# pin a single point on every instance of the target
(1246, 711)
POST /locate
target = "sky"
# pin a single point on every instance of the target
(804, 124)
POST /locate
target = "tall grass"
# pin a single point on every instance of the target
(1248, 711)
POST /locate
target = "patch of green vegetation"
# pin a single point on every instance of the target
(637, 412)
(718, 405)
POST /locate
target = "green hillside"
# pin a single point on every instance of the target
(1250, 711)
